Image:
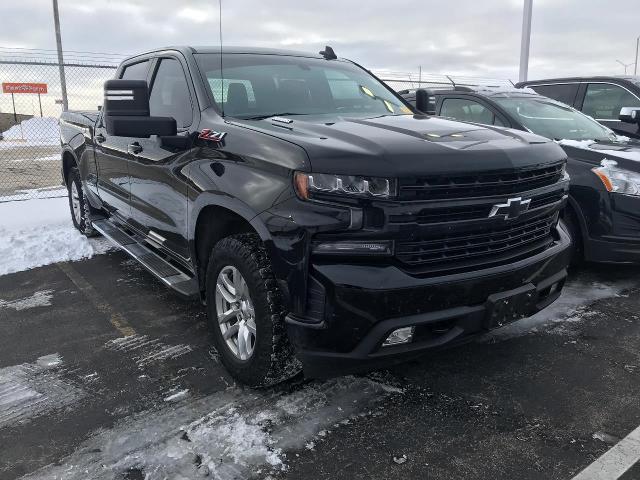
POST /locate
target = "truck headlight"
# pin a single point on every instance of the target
(618, 180)
(307, 184)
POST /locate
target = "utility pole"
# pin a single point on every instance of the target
(63, 80)
(526, 39)
(635, 69)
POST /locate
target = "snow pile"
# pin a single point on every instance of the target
(41, 298)
(40, 232)
(36, 130)
(233, 434)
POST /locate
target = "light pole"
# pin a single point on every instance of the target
(63, 80)
(526, 39)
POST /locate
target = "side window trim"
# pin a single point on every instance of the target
(151, 79)
(576, 99)
(149, 60)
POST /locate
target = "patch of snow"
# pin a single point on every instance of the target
(153, 350)
(41, 298)
(47, 158)
(579, 291)
(35, 131)
(49, 361)
(54, 191)
(226, 435)
(40, 232)
(182, 394)
(31, 390)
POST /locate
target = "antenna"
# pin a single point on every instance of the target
(451, 80)
(328, 53)
(222, 101)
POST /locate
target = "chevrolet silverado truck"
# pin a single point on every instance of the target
(324, 222)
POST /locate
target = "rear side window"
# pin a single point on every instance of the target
(136, 71)
(170, 93)
(468, 111)
(603, 101)
(565, 93)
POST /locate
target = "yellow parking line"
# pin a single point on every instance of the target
(116, 319)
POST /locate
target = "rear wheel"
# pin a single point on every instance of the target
(78, 204)
(245, 312)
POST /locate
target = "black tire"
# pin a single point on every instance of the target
(83, 223)
(273, 359)
(576, 249)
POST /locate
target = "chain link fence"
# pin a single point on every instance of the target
(29, 130)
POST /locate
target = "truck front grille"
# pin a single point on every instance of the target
(478, 185)
(478, 249)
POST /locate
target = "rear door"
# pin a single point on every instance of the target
(603, 102)
(158, 187)
(112, 156)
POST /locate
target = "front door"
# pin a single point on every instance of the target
(158, 190)
(603, 102)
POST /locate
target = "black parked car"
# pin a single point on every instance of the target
(602, 98)
(318, 217)
(604, 204)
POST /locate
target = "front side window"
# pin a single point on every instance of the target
(468, 111)
(136, 71)
(553, 119)
(253, 86)
(603, 101)
(170, 93)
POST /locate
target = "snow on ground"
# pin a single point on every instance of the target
(582, 289)
(40, 232)
(34, 389)
(232, 434)
(34, 131)
(30, 193)
(41, 298)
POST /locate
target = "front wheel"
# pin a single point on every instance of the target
(78, 204)
(245, 312)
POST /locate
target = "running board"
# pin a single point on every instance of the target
(158, 266)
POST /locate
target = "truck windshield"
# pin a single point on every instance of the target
(258, 86)
(554, 120)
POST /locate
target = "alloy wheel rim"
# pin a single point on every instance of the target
(75, 203)
(235, 313)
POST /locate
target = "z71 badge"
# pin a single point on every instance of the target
(210, 135)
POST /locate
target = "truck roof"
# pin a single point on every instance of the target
(588, 78)
(187, 49)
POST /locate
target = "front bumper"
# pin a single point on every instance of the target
(364, 304)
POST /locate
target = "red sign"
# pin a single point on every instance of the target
(24, 88)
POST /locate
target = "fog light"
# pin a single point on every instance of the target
(399, 336)
(353, 248)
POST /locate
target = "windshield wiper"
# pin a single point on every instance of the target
(269, 115)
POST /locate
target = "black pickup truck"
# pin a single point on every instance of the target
(323, 221)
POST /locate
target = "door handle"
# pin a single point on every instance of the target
(100, 138)
(134, 148)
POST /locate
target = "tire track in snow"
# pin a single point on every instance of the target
(151, 350)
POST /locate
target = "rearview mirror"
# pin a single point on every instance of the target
(126, 111)
(425, 102)
(630, 114)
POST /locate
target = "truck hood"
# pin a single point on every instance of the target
(624, 151)
(406, 145)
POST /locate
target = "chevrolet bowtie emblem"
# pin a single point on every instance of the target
(512, 209)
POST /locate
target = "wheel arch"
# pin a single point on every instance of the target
(69, 161)
(216, 218)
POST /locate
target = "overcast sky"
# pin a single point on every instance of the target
(461, 37)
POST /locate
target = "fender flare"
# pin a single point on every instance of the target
(575, 207)
(210, 199)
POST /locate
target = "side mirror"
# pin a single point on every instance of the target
(425, 102)
(126, 111)
(630, 114)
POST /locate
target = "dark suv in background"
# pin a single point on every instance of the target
(602, 98)
(603, 214)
